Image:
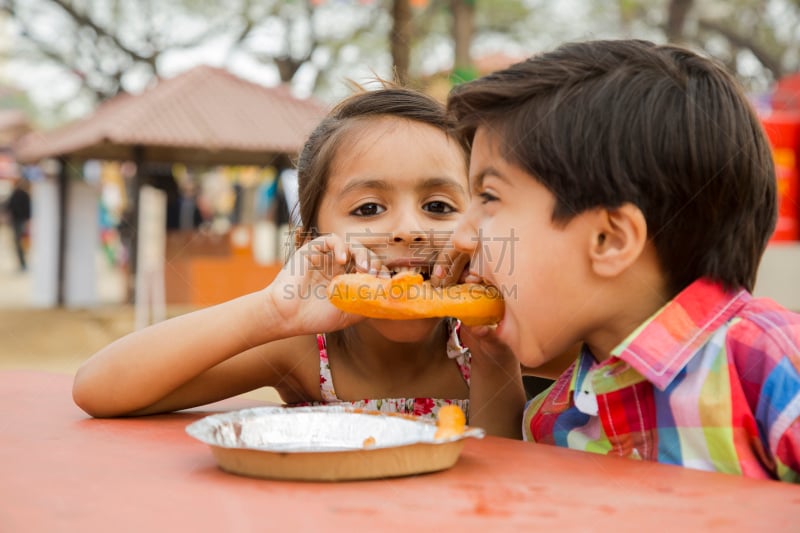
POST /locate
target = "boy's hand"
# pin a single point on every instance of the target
(482, 341)
(450, 268)
(497, 395)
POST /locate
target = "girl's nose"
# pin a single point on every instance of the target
(409, 228)
(408, 236)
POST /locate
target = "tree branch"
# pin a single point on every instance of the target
(770, 62)
(81, 19)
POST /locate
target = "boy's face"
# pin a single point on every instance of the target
(539, 267)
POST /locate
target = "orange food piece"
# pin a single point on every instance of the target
(450, 422)
(408, 296)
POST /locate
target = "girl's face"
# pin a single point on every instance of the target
(398, 187)
(516, 247)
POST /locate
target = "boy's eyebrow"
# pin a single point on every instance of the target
(476, 181)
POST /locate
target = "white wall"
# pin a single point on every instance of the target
(779, 274)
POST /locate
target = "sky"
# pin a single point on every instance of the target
(48, 85)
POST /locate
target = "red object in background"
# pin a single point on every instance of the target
(786, 96)
(783, 130)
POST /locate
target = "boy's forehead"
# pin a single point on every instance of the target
(485, 152)
(486, 142)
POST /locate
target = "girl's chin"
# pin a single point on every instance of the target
(406, 330)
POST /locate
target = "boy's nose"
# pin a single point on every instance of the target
(465, 237)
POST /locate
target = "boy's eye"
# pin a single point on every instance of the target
(487, 197)
(442, 208)
(368, 210)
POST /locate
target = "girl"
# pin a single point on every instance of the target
(382, 185)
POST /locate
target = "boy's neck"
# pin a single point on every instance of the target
(630, 300)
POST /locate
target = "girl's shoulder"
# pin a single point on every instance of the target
(293, 366)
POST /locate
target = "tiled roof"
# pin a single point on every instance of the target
(13, 125)
(204, 115)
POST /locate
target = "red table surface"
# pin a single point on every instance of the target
(63, 471)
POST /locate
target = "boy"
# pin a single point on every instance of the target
(640, 186)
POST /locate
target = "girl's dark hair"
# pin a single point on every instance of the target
(604, 123)
(321, 148)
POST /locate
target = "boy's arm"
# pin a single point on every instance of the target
(787, 454)
(497, 395)
(766, 358)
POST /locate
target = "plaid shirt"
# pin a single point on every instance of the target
(711, 382)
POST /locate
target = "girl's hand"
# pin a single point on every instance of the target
(298, 295)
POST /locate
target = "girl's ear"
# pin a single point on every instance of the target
(618, 239)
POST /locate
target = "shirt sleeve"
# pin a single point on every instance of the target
(787, 461)
(778, 412)
(767, 356)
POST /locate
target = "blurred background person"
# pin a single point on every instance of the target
(19, 213)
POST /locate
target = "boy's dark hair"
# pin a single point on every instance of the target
(333, 132)
(603, 123)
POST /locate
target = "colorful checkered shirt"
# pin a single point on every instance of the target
(711, 382)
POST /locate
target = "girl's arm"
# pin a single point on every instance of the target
(178, 363)
(144, 371)
(496, 395)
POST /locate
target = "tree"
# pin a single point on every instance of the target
(757, 39)
(400, 39)
(108, 46)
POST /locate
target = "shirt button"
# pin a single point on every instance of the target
(586, 399)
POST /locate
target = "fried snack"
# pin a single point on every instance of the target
(408, 296)
(450, 422)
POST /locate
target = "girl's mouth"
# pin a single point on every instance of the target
(418, 269)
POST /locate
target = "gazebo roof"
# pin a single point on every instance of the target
(205, 115)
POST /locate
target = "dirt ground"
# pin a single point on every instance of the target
(59, 340)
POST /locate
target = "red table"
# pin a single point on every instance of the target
(62, 471)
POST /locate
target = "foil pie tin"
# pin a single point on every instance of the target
(327, 443)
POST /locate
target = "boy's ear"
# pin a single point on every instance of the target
(618, 239)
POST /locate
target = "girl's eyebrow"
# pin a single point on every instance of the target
(367, 183)
(442, 183)
(385, 185)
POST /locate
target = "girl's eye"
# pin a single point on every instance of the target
(368, 210)
(487, 197)
(441, 208)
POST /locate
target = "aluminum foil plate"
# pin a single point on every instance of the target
(328, 443)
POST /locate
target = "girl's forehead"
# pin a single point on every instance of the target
(395, 149)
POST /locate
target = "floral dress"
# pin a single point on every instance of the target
(425, 407)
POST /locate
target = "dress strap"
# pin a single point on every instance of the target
(457, 351)
(326, 389)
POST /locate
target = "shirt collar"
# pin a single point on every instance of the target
(662, 346)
